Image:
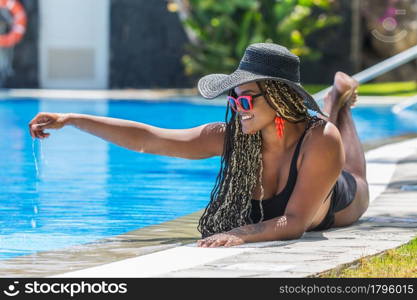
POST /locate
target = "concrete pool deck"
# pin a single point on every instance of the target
(167, 250)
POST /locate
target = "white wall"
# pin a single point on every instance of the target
(74, 44)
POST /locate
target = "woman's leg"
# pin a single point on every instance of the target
(355, 157)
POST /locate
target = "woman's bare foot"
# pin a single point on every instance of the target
(343, 94)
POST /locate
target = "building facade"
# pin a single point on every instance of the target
(90, 44)
(119, 44)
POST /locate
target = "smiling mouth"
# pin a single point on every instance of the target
(246, 117)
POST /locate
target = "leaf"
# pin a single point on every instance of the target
(244, 33)
(297, 38)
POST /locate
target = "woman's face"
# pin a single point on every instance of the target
(260, 116)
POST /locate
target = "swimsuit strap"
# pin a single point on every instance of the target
(297, 149)
(310, 124)
(292, 176)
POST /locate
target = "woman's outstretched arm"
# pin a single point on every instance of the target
(193, 143)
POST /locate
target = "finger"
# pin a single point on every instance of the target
(35, 127)
(206, 244)
(32, 129)
(217, 243)
(35, 133)
(201, 243)
(41, 126)
(39, 118)
(33, 120)
(229, 244)
(44, 134)
(39, 133)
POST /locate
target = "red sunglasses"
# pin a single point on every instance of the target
(245, 103)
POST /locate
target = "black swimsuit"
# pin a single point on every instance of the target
(344, 192)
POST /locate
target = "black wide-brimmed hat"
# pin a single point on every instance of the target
(261, 61)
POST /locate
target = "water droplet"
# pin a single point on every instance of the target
(34, 157)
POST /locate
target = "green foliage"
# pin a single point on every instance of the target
(224, 28)
(403, 88)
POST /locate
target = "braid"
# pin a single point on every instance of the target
(230, 204)
(285, 100)
(288, 103)
(241, 164)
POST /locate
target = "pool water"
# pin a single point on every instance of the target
(86, 189)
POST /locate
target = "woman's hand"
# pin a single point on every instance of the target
(44, 121)
(226, 239)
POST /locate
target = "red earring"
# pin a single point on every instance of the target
(279, 125)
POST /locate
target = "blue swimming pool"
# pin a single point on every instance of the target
(80, 188)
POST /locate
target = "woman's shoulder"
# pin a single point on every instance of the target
(324, 145)
(322, 133)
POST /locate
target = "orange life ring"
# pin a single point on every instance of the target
(18, 13)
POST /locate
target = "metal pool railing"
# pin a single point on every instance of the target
(399, 107)
(377, 69)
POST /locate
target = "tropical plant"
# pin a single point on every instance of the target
(220, 30)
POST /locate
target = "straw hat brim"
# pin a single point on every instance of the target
(213, 85)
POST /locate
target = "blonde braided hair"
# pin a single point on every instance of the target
(241, 164)
(285, 100)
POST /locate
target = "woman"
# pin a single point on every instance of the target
(283, 171)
